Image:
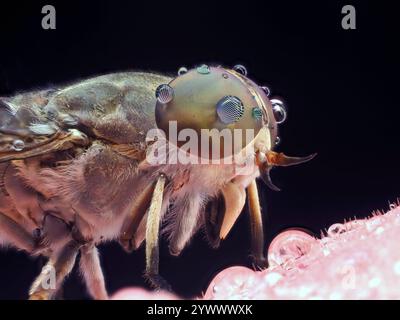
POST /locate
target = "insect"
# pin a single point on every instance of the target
(77, 169)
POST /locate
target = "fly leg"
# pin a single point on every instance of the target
(11, 232)
(54, 272)
(92, 273)
(152, 237)
(256, 226)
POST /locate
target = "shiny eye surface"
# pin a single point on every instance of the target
(230, 109)
(240, 69)
(279, 110)
(164, 93)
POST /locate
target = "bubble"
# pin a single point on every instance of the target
(279, 110)
(18, 145)
(229, 281)
(203, 69)
(266, 90)
(336, 229)
(182, 70)
(240, 69)
(288, 246)
(277, 140)
(164, 93)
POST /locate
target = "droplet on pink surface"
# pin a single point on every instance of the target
(336, 229)
(233, 279)
(288, 246)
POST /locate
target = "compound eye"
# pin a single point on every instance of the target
(279, 110)
(164, 93)
(240, 69)
(230, 109)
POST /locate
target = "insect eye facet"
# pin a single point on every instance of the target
(279, 110)
(164, 93)
(240, 69)
(230, 109)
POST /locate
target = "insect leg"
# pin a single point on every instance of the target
(91, 270)
(187, 216)
(256, 225)
(152, 234)
(12, 232)
(43, 288)
(137, 214)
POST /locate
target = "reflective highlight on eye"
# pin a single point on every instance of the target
(230, 109)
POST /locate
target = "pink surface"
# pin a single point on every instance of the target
(359, 259)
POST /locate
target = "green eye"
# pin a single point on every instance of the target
(257, 113)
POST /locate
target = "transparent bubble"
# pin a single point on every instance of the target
(240, 69)
(288, 246)
(164, 93)
(277, 140)
(182, 70)
(279, 110)
(336, 229)
(266, 90)
(18, 145)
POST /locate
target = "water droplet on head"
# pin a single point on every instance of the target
(266, 90)
(279, 110)
(164, 93)
(288, 246)
(18, 145)
(182, 70)
(240, 69)
(203, 69)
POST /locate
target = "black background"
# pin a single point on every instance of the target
(341, 87)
